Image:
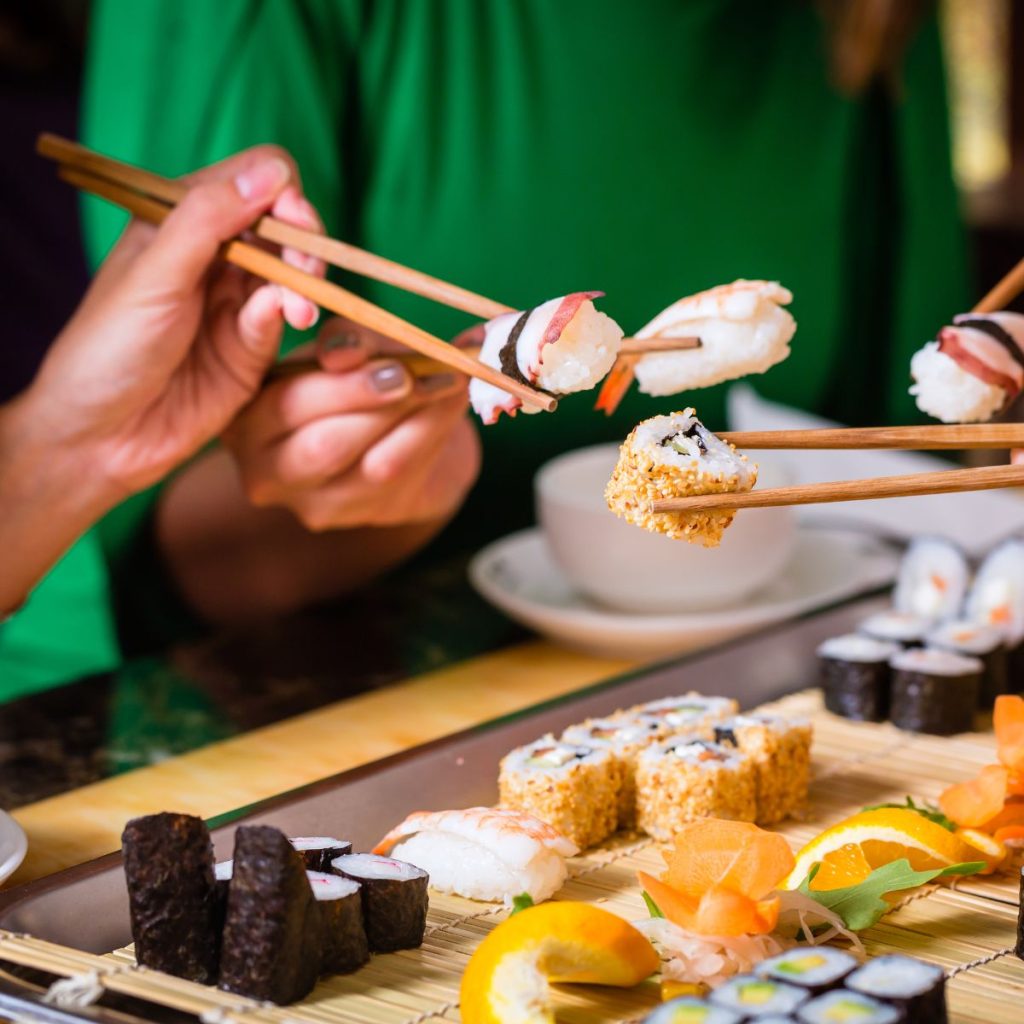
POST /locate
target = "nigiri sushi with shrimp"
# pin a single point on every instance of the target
(743, 328)
(561, 346)
(483, 853)
(972, 370)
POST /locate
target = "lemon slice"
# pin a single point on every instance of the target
(506, 981)
(885, 835)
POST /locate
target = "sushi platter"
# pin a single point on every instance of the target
(69, 924)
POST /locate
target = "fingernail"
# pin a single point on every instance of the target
(263, 180)
(437, 382)
(388, 377)
(343, 341)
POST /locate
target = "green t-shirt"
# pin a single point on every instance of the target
(527, 148)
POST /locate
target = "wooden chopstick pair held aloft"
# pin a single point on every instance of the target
(934, 438)
(90, 166)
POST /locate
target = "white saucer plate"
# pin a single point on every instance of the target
(518, 575)
(13, 846)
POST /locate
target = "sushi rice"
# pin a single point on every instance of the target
(948, 393)
(932, 579)
(689, 1010)
(756, 997)
(997, 595)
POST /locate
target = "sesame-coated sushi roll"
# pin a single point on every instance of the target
(573, 787)
(684, 779)
(755, 997)
(932, 580)
(781, 753)
(175, 904)
(841, 1006)
(855, 676)
(982, 642)
(394, 899)
(904, 628)
(816, 969)
(911, 986)
(671, 457)
(690, 713)
(624, 738)
(934, 691)
(341, 907)
(690, 1010)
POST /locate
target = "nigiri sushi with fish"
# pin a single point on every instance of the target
(743, 328)
(561, 346)
(972, 370)
(483, 853)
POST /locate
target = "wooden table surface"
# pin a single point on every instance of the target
(86, 823)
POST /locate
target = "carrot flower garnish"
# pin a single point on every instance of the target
(721, 878)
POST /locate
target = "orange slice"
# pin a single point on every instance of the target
(841, 868)
(988, 848)
(885, 835)
(507, 977)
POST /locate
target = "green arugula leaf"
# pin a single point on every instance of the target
(652, 907)
(521, 902)
(929, 811)
(860, 906)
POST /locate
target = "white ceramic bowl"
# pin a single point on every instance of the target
(629, 569)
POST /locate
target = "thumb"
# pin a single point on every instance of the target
(260, 325)
(210, 214)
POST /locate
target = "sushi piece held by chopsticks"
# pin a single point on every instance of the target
(743, 329)
(561, 346)
(674, 456)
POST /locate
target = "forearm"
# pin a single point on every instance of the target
(233, 562)
(49, 496)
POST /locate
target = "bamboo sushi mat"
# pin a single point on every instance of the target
(969, 931)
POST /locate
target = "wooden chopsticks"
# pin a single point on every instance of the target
(905, 486)
(330, 296)
(957, 436)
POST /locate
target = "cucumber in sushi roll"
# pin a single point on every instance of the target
(394, 897)
(814, 968)
(934, 691)
(916, 989)
(755, 997)
(690, 713)
(843, 1006)
(855, 676)
(689, 1010)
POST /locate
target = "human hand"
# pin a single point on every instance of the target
(361, 443)
(168, 343)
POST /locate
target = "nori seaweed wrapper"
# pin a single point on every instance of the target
(1020, 919)
(938, 705)
(394, 909)
(925, 1007)
(319, 859)
(856, 689)
(274, 935)
(995, 680)
(345, 945)
(175, 916)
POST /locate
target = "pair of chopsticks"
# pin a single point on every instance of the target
(953, 437)
(151, 196)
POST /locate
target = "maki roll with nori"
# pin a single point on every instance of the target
(934, 691)
(318, 851)
(932, 580)
(341, 904)
(755, 997)
(855, 676)
(997, 599)
(976, 641)
(274, 940)
(915, 988)
(689, 1010)
(814, 968)
(394, 899)
(903, 628)
(176, 912)
(843, 1006)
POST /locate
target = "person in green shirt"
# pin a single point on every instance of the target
(525, 149)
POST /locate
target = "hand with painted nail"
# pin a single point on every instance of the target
(166, 347)
(362, 443)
